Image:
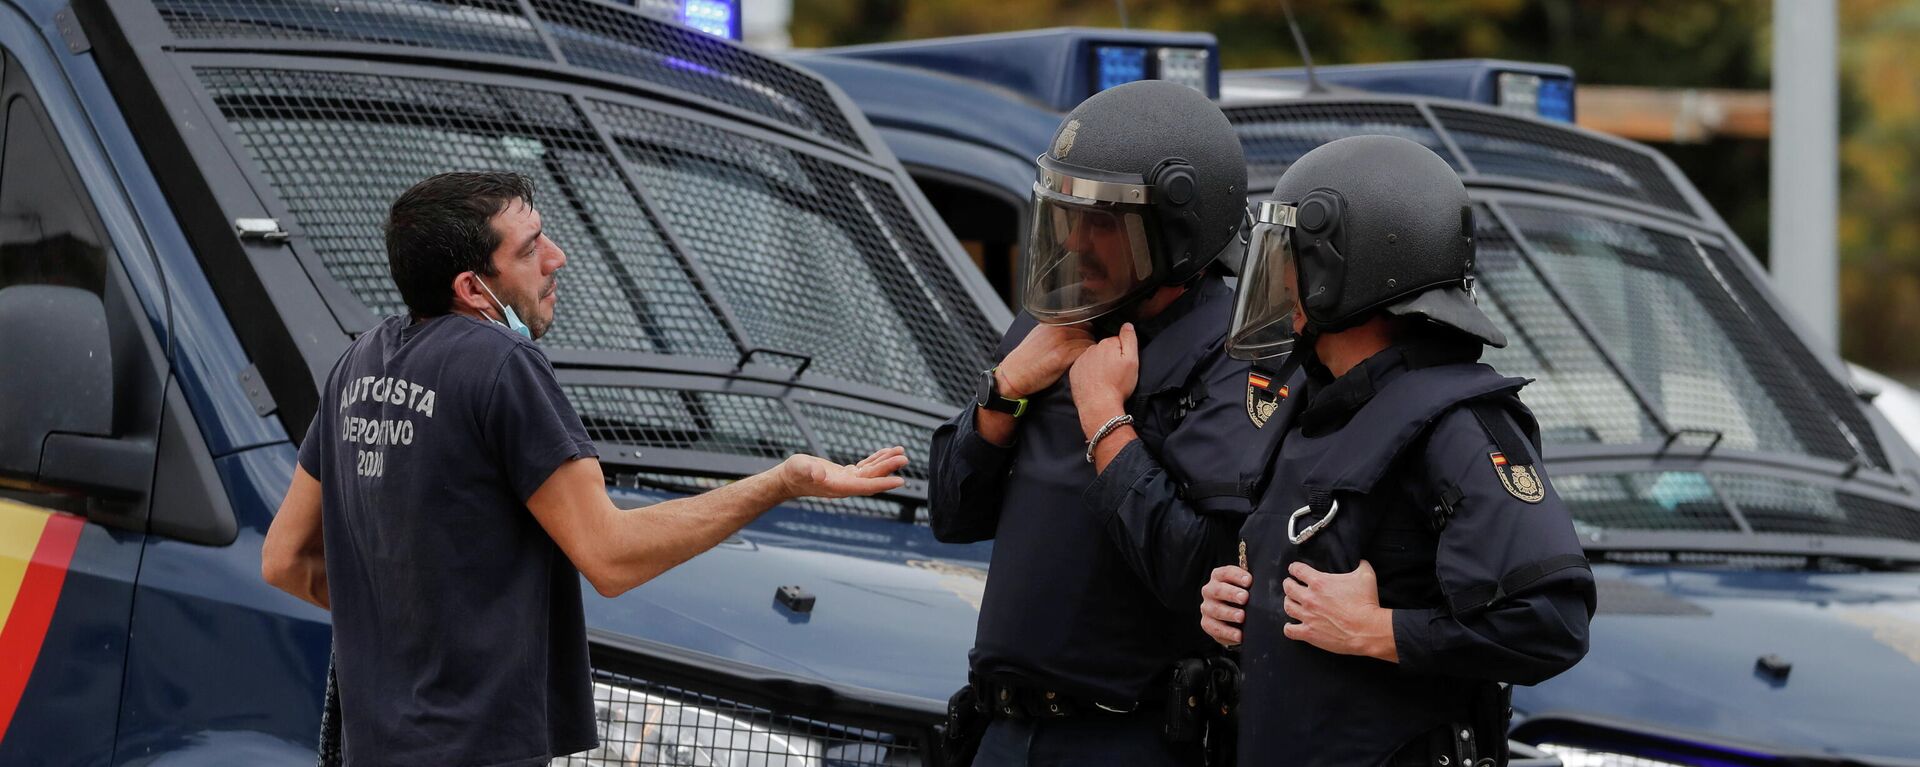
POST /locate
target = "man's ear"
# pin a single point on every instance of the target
(467, 294)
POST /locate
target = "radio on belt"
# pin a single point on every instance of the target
(794, 598)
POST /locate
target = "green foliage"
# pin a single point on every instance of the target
(1879, 195)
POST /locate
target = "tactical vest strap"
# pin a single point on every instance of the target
(1354, 458)
(1450, 497)
(1319, 499)
(1522, 577)
(1492, 415)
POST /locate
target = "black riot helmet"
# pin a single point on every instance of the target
(1143, 186)
(1365, 224)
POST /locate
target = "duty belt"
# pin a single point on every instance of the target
(1006, 696)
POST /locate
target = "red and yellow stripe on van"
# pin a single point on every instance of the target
(36, 545)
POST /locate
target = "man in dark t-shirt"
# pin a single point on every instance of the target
(446, 491)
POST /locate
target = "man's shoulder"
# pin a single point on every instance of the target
(482, 346)
(455, 346)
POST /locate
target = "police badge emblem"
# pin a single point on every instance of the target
(1262, 399)
(1064, 142)
(1522, 482)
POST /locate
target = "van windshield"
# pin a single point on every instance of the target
(750, 274)
(1645, 329)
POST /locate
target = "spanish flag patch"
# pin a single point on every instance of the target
(1262, 398)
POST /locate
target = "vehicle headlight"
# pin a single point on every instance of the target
(1574, 756)
(638, 728)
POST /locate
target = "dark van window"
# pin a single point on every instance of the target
(47, 234)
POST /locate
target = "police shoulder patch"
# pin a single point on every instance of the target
(1521, 481)
(1263, 398)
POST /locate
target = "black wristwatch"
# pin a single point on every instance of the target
(988, 396)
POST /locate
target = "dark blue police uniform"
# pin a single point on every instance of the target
(1429, 468)
(1094, 586)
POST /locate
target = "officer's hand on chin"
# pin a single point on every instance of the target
(1222, 603)
(1041, 358)
(1339, 612)
(1105, 375)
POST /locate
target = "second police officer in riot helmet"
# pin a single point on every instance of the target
(1407, 556)
(1107, 455)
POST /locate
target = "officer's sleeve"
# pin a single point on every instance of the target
(1519, 592)
(1170, 538)
(529, 423)
(967, 476)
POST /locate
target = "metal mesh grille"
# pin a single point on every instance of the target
(476, 26)
(1578, 398)
(611, 39)
(728, 424)
(881, 508)
(1274, 136)
(644, 723)
(1655, 304)
(625, 40)
(337, 147)
(1673, 500)
(815, 259)
(847, 436)
(1681, 500)
(1504, 146)
(1773, 505)
(1836, 396)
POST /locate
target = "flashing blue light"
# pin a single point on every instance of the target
(1556, 99)
(1118, 64)
(714, 17)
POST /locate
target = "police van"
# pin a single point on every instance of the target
(1754, 527)
(191, 194)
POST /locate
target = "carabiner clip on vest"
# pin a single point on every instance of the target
(1302, 536)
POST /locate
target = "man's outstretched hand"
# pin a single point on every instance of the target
(806, 475)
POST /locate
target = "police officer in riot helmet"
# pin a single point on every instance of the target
(1106, 454)
(1407, 557)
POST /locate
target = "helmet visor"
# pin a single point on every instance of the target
(1266, 298)
(1085, 258)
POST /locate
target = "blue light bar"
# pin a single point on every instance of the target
(720, 18)
(1117, 65)
(1556, 99)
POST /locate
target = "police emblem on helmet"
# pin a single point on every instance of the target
(1263, 398)
(1064, 142)
(1522, 482)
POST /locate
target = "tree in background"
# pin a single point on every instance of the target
(1661, 43)
(1880, 184)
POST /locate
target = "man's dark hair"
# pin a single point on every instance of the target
(442, 227)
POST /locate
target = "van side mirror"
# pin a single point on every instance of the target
(57, 395)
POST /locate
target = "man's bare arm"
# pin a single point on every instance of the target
(618, 549)
(293, 559)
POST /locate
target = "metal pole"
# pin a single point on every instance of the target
(1804, 201)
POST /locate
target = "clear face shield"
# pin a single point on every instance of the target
(1267, 296)
(1089, 252)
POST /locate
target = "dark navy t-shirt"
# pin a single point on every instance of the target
(458, 632)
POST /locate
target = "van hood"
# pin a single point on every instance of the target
(894, 610)
(1678, 651)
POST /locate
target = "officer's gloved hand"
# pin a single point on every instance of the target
(1222, 604)
(1041, 358)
